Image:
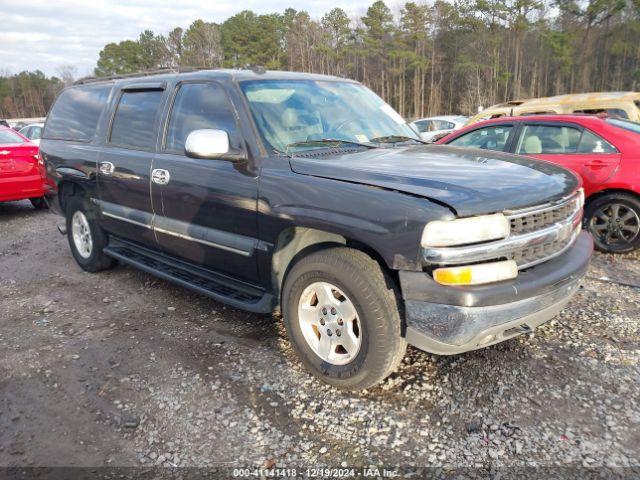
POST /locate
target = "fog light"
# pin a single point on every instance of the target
(476, 274)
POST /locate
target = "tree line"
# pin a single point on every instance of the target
(436, 58)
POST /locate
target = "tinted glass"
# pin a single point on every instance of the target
(9, 136)
(133, 124)
(548, 139)
(444, 125)
(488, 138)
(76, 112)
(422, 126)
(35, 133)
(592, 143)
(614, 112)
(198, 106)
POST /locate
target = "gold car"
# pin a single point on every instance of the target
(619, 104)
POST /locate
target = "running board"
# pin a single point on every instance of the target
(205, 282)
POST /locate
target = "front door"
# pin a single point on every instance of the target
(124, 164)
(571, 146)
(205, 208)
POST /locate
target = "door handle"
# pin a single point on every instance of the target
(106, 168)
(160, 176)
(597, 163)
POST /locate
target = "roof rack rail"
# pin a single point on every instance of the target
(143, 73)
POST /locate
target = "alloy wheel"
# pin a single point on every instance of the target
(81, 233)
(615, 224)
(329, 323)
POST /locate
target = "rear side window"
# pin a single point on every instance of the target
(592, 143)
(134, 121)
(9, 136)
(76, 112)
(198, 106)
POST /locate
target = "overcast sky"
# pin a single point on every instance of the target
(45, 34)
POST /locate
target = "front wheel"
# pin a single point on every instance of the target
(342, 316)
(614, 221)
(86, 238)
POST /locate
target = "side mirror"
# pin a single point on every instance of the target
(207, 143)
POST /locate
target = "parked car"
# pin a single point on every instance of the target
(434, 127)
(615, 104)
(605, 152)
(308, 193)
(33, 132)
(22, 172)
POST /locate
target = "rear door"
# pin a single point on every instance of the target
(21, 174)
(205, 208)
(124, 163)
(571, 146)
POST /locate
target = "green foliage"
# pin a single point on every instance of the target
(445, 56)
(27, 94)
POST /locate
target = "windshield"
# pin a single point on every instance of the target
(626, 124)
(299, 114)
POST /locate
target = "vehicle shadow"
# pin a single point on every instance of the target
(13, 210)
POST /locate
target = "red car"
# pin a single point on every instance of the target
(605, 152)
(22, 173)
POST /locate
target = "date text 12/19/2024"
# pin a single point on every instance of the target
(320, 472)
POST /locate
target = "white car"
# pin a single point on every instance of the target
(33, 132)
(433, 128)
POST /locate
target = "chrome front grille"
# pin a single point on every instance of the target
(537, 235)
(528, 221)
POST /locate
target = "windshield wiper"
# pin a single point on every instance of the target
(396, 139)
(331, 142)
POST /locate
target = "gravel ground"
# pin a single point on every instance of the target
(122, 369)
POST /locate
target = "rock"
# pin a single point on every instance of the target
(474, 426)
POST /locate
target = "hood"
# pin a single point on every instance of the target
(470, 181)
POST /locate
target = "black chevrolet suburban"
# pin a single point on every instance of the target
(309, 194)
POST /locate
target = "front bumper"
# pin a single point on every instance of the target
(450, 320)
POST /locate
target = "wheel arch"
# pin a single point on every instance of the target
(607, 191)
(68, 188)
(294, 243)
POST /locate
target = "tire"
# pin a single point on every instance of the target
(38, 203)
(92, 258)
(614, 222)
(359, 282)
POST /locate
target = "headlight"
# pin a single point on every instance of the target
(448, 233)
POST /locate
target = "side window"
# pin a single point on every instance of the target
(548, 139)
(442, 125)
(76, 112)
(421, 126)
(199, 106)
(614, 112)
(134, 121)
(592, 143)
(36, 133)
(494, 137)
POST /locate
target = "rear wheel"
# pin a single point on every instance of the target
(342, 317)
(614, 221)
(38, 203)
(86, 238)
